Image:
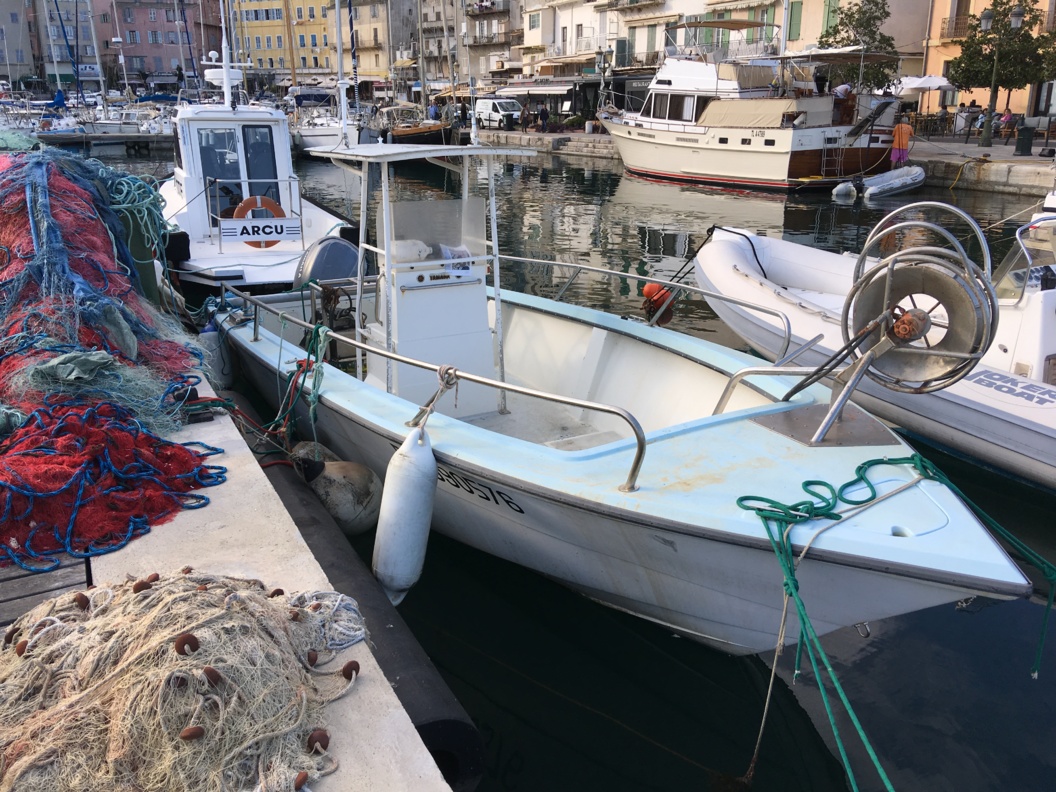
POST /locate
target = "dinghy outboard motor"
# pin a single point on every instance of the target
(926, 314)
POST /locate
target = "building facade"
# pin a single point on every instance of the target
(16, 42)
(153, 46)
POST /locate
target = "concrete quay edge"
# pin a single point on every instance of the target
(245, 531)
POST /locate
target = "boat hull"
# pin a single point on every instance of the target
(769, 159)
(627, 552)
(1004, 421)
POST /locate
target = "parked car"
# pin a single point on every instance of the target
(498, 113)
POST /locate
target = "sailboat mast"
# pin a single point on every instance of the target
(447, 49)
(289, 41)
(421, 61)
(355, 59)
(98, 57)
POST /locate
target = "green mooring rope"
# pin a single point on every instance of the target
(823, 503)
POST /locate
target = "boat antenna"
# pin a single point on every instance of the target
(225, 56)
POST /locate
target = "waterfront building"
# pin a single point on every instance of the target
(153, 46)
(16, 42)
(950, 23)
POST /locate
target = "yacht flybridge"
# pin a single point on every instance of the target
(237, 203)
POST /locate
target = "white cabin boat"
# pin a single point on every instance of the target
(604, 453)
(237, 203)
(743, 124)
(1002, 414)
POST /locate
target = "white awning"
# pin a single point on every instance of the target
(534, 90)
(737, 5)
(652, 20)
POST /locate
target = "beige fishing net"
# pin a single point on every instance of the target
(184, 682)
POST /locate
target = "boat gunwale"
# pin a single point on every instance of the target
(341, 407)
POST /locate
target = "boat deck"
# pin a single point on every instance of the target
(545, 423)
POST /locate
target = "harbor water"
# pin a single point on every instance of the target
(570, 695)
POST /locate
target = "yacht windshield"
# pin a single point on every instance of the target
(1017, 271)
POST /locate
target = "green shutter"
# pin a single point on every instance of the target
(830, 14)
(749, 35)
(795, 16)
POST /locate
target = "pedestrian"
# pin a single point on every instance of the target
(842, 91)
(463, 111)
(434, 111)
(544, 116)
(900, 143)
(526, 119)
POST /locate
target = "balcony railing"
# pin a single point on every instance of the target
(487, 7)
(954, 27)
(502, 37)
(630, 5)
(429, 27)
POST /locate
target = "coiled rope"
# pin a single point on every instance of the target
(779, 518)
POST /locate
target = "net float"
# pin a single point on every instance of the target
(81, 600)
(20, 648)
(192, 733)
(141, 585)
(276, 592)
(185, 644)
(212, 676)
(313, 657)
(350, 670)
(318, 740)
(301, 779)
(153, 577)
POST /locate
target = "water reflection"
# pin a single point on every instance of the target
(573, 696)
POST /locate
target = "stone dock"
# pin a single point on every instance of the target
(947, 160)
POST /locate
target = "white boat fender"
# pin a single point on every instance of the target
(351, 492)
(844, 190)
(406, 512)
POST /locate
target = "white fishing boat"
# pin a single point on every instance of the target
(751, 122)
(606, 453)
(893, 182)
(1003, 413)
(239, 214)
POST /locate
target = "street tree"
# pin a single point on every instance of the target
(858, 24)
(1024, 56)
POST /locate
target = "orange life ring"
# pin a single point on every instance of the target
(259, 202)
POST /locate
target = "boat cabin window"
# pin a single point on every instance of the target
(261, 169)
(218, 150)
(675, 107)
(178, 155)
(702, 103)
(660, 105)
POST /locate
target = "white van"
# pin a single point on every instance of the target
(492, 112)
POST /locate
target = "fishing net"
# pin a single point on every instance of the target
(184, 682)
(90, 373)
